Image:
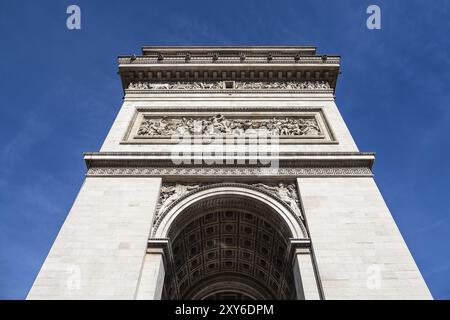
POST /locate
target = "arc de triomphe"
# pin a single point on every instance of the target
(229, 173)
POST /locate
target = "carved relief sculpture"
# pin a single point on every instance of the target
(238, 85)
(219, 124)
(171, 192)
(286, 192)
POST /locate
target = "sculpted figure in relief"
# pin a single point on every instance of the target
(287, 193)
(170, 193)
(219, 124)
(217, 85)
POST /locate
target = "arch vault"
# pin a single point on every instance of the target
(229, 241)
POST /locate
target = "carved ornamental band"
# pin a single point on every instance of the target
(230, 171)
(237, 85)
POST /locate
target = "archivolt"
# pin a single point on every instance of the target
(175, 210)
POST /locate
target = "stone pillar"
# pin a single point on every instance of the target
(305, 275)
(152, 276)
(356, 241)
(99, 251)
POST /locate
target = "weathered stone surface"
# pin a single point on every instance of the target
(99, 251)
(148, 225)
(359, 250)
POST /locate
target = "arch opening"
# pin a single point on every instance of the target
(229, 246)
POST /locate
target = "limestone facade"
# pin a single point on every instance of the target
(229, 172)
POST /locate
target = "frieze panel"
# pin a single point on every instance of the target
(287, 126)
(225, 85)
(219, 124)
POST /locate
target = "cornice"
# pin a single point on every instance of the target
(228, 63)
(307, 50)
(282, 156)
(288, 164)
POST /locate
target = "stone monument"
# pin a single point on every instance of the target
(229, 173)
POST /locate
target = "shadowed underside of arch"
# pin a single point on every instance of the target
(229, 246)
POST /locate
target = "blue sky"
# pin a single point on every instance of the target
(60, 94)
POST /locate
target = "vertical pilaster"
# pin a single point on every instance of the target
(99, 251)
(358, 248)
(305, 274)
(152, 276)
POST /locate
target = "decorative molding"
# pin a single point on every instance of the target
(291, 85)
(228, 85)
(214, 64)
(288, 164)
(223, 171)
(222, 59)
(282, 194)
(330, 154)
(229, 160)
(221, 125)
(172, 193)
